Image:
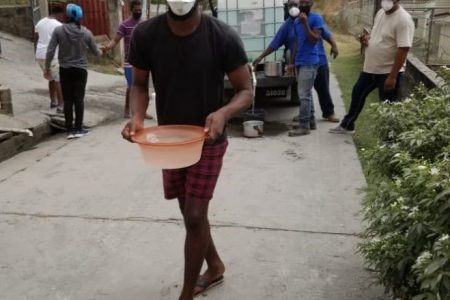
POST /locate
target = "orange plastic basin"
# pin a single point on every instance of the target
(171, 146)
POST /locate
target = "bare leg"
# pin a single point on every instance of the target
(59, 95)
(216, 267)
(195, 215)
(126, 113)
(52, 91)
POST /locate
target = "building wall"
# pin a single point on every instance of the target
(444, 43)
(17, 20)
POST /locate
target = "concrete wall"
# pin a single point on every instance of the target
(417, 72)
(17, 20)
(444, 43)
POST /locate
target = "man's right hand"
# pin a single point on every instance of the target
(256, 62)
(47, 74)
(290, 70)
(108, 47)
(303, 18)
(364, 40)
(130, 129)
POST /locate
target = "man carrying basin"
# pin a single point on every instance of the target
(188, 54)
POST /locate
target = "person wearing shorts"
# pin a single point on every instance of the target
(43, 34)
(125, 31)
(188, 53)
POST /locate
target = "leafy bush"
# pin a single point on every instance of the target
(408, 200)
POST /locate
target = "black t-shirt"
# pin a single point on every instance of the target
(188, 72)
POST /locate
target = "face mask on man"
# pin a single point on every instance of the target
(305, 8)
(181, 9)
(387, 5)
(294, 12)
(137, 15)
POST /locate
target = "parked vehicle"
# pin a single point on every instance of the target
(256, 22)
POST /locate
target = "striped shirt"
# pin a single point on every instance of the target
(125, 30)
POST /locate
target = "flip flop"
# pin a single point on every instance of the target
(205, 285)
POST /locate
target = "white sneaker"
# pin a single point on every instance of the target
(340, 130)
(81, 133)
(71, 136)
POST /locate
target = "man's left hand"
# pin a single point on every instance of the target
(303, 18)
(47, 74)
(334, 52)
(389, 83)
(290, 70)
(215, 124)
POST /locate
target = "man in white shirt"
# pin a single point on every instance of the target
(387, 48)
(43, 33)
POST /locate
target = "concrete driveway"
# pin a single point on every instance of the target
(86, 219)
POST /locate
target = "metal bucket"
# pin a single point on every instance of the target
(273, 69)
(253, 129)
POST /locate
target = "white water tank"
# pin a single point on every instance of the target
(256, 22)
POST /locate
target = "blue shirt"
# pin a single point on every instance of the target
(284, 36)
(326, 34)
(307, 52)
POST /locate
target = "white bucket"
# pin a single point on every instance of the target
(253, 128)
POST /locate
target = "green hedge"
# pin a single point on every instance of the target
(407, 206)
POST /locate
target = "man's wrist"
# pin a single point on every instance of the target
(138, 117)
(392, 75)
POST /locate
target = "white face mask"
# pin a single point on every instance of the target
(294, 12)
(181, 7)
(387, 5)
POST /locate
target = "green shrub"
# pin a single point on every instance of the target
(407, 206)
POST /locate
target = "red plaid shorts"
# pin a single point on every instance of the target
(197, 181)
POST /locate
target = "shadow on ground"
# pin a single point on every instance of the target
(278, 116)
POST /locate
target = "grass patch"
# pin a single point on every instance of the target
(103, 64)
(347, 68)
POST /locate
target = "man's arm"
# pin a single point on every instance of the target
(334, 49)
(113, 43)
(278, 40)
(138, 102)
(242, 100)
(92, 44)
(312, 34)
(51, 49)
(266, 52)
(290, 67)
(36, 40)
(399, 61)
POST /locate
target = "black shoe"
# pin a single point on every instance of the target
(312, 125)
(299, 132)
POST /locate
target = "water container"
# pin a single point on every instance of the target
(256, 22)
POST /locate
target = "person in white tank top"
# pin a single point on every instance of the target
(43, 33)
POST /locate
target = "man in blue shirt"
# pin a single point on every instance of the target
(322, 82)
(285, 35)
(308, 29)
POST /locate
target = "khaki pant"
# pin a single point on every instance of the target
(54, 68)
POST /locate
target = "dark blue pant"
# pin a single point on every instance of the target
(322, 87)
(364, 86)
